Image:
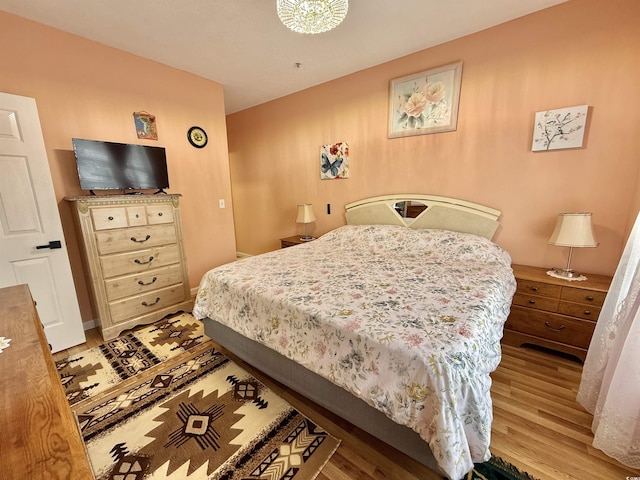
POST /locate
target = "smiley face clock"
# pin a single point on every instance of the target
(197, 137)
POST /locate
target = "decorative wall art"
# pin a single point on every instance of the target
(334, 161)
(145, 125)
(560, 128)
(425, 102)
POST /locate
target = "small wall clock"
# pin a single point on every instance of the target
(197, 137)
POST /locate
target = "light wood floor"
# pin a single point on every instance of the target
(538, 426)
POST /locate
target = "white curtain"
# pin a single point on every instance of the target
(610, 384)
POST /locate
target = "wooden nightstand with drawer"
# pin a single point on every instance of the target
(292, 241)
(554, 313)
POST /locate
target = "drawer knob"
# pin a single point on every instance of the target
(590, 298)
(587, 312)
(153, 280)
(134, 239)
(160, 214)
(151, 304)
(558, 329)
(110, 218)
(532, 302)
(534, 289)
(142, 262)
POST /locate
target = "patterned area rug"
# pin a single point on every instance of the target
(95, 370)
(497, 469)
(199, 416)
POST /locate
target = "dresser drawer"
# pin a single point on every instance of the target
(140, 261)
(580, 310)
(131, 307)
(530, 287)
(159, 214)
(533, 301)
(579, 295)
(111, 217)
(137, 215)
(130, 239)
(554, 327)
(129, 285)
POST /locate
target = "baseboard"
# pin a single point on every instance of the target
(89, 325)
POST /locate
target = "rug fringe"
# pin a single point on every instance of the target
(510, 468)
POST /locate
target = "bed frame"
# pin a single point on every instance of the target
(439, 212)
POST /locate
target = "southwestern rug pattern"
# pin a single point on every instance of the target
(198, 415)
(95, 370)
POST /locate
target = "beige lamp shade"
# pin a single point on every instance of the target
(305, 214)
(573, 230)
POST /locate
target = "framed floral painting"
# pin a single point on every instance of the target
(425, 102)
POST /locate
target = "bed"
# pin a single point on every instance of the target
(392, 322)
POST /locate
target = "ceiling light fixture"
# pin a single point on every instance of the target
(312, 16)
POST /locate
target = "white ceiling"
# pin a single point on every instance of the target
(242, 44)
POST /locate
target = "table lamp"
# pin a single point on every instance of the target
(572, 230)
(305, 216)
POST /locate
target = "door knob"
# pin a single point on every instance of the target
(52, 244)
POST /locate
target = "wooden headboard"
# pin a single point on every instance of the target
(430, 212)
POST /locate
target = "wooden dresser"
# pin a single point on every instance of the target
(40, 436)
(133, 252)
(554, 313)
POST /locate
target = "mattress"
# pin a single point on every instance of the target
(410, 321)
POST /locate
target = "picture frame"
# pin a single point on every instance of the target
(560, 128)
(425, 102)
(145, 124)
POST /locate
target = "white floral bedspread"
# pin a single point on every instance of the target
(408, 320)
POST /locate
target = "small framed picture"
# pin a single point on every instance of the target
(560, 128)
(334, 161)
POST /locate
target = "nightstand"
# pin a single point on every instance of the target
(553, 313)
(291, 241)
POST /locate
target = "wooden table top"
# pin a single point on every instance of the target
(40, 437)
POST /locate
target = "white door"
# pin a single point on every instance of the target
(30, 221)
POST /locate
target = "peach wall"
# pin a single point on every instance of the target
(87, 90)
(580, 52)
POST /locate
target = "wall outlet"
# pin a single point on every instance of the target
(221, 203)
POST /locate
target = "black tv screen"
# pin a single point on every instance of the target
(120, 166)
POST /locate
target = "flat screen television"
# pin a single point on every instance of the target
(120, 166)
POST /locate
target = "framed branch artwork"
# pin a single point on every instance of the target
(560, 128)
(425, 102)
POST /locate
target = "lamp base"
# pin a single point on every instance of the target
(566, 274)
(306, 238)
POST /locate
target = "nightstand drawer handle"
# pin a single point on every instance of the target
(151, 304)
(590, 298)
(560, 328)
(532, 302)
(587, 312)
(534, 289)
(141, 262)
(153, 280)
(134, 239)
